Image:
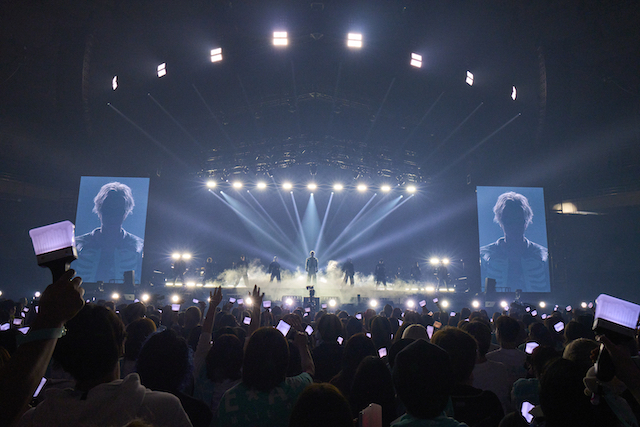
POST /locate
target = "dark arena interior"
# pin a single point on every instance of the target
(340, 155)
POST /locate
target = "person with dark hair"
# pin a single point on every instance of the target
(373, 384)
(274, 269)
(165, 364)
(108, 251)
(527, 389)
(487, 374)
(327, 355)
(349, 271)
(209, 271)
(423, 379)
(89, 352)
(381, 332)
(242, 271)
(507, 331)
(357, 348)
(321, 405)
(265, 396)
(471, 405)
(311, 267)
(132, 312)
(137, 333)
(514, 261)
(416, 273)
(380, 273)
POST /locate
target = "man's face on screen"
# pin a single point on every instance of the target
(113, 210)
(513, 221)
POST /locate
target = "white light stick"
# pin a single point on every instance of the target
(55, 246)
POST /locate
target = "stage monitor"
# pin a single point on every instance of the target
(110, 226)
(513, 238)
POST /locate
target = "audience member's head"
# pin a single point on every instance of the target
(423, 379)
(415, 332)
(373, 384)
(482, 333)
(165, 362)
(574, 330)
(462, 348)
(137, 333)
(132, 312)
(354, 326)
(266, 359)
(357, 348)
(94, 342)
(321, 405)
(507, 330)
(192, 317)
(396, 348)
(579, 352)
(540, 357)
(330, 328)
(224, 360)
(381, 331)
(540, 334)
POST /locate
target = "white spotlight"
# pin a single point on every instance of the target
(237, 185)
(513, 93)
(542, 304)
(445, 261)
(190, 284)
(175, 255)
(216, 55)
(338, 187)
(411, 303)
(354, 40)
(261, 185)
(287, 186)
(332, 303)
(145, 297)
(186, 255)
(373, 303)
(37, 294)
(469, 79)
(583, 304)
(114, 82)
(115, 296)
(175, 298)
(385, 188)
(289, 301)
(280, 38)
(361, 188)
(211, 184)
(416, 60)
(162, 69)
(444, 303)
(248, 301)
(504, 304)
(434, 261)
(312, 186)
(475, 303)
(411, 189)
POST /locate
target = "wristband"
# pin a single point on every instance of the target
(41, 334)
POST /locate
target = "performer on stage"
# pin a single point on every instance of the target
(416, 273)
(380, 273)
(209, 275)
(274, 269)
(312, 267)
(348, 271)
(242, 269)
(179, 270)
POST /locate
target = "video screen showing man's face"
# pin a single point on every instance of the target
(110, 227)
(513, 245)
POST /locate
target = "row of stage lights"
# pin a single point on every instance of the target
(261, 185)
(281, 40)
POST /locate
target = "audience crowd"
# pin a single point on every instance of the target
(224, 364)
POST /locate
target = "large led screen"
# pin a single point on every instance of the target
(513, 238)
(110, 226)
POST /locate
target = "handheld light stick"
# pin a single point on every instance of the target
(55, 247)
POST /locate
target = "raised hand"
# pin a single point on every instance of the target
(61, 300)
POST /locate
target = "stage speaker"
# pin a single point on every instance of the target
(489, 286)
(129, 278)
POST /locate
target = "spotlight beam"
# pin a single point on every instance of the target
(324, 222)
(271, 219)
(258, 213)
(147, 134)
(253, 224)
(375, 119)
(305, 247)
(475, 147)
(168, 114)
(457, 128)
(421, 120)
(286, 208)
(337, 239)
(374, 223)
(215, 118)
